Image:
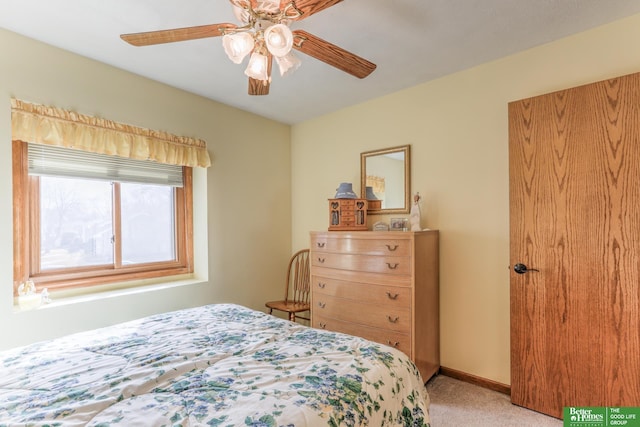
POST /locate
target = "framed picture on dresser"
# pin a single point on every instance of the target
(399, 224)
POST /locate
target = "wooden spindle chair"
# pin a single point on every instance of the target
(297, 288)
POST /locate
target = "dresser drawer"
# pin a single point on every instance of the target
(390, 246)
(362, 292)
(399, 340)
(368, 263)
(379, 316)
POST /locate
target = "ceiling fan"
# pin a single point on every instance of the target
(265, 34)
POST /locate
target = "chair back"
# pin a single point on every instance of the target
(298, 286)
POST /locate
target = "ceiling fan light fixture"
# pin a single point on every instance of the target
(278, 39)
(258, 67)
(237, 46)
(288, 63)
(265, 34)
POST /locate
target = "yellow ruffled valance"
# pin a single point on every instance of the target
(54, 126)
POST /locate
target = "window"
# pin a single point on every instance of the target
(83, 219)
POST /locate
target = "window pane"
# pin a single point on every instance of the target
(148, 225)
(75, 223)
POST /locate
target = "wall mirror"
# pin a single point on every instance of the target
(388, 173)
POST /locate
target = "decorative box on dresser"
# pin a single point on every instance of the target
(380, 285)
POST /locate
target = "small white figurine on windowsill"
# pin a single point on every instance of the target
(27, 296)
(414, 215)
(46, 299)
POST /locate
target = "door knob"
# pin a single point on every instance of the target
(521, 268)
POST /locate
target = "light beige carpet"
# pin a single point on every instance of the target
(456, 403)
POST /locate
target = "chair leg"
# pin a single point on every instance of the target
(271, 311)
(292, 317)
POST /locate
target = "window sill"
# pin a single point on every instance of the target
(112, 290)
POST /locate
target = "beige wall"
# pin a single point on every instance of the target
(242, 203)
(457, 128)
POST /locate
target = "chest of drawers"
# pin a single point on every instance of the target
(382, 286)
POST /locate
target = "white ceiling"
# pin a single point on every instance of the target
(411, 41)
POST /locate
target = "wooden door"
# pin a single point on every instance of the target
(574, 160)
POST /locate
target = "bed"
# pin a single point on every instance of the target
(216, 365)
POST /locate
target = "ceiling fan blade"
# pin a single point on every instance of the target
(332, 54)
(176, 34)
(309, 7)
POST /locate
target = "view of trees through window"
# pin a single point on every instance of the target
(77, 223)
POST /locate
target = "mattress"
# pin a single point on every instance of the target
(216, 365)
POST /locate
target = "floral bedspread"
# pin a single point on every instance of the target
(217, 365)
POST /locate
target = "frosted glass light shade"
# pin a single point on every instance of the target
(241, 14)
(279, 39)
(268, 5)
(257, 68)
(288, 63)
(237, 46)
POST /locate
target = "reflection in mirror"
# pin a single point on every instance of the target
(387, 172)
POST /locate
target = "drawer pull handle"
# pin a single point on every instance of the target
(392, 266)
(321, 285)
(322, 304)
(393, 344)
(323, 325)
(321, 244)
(321, 260)
(392, 296)
(392, 249)
(393, 319)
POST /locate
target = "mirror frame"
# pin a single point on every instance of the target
(406, 149)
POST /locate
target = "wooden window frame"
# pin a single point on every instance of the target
(26, 235)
